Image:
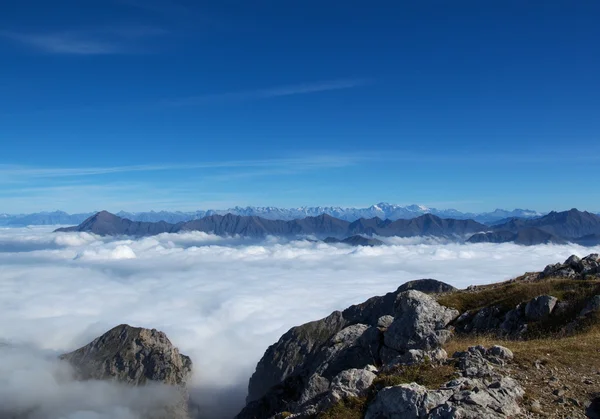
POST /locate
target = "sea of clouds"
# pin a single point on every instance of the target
(222, 301)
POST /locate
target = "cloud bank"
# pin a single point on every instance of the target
(221, 301)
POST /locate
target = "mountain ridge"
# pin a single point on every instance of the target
(105, 223)
(557, 228)
(382, 210)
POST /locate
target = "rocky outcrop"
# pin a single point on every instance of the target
(299, 345)
(134, 356)
(480, 392)
(574, 267)
(428, 286)
(320, 362)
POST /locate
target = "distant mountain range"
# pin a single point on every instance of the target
(105, 223)
(556, 227)
(381, 210)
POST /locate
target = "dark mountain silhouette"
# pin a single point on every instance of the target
(105, 223)
(570, 224)
(527, 236)
(589, 240)
(556, 227)
(355, 241)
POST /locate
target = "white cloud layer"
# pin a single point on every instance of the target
(221, 301)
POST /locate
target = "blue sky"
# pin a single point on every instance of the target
(138, 105)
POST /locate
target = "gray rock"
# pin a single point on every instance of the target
(353, 382)
(428, 286)
(540, 307)
(574, 262)
(592, 306)
(419, 323)
(483, 393)
(403, 401)
(574, 267)
(131, 355)
(514, 321)
(288, 356)
(590, 265)
(500, 352)
(135, 356)
(416, 356)
(298, 348)
(384, 321)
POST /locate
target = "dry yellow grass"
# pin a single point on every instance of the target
(582, 348)
(508, 294)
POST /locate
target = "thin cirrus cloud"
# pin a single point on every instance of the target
(8, 172)
(267, 93)
(95, 41)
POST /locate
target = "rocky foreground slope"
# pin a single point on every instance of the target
(387, 358)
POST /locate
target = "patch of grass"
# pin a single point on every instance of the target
(350, 408)
(509, 294)
(425, 374)
(578, 349)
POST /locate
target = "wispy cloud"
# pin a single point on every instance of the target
(272, 92)
(94, 41)
(299, 163)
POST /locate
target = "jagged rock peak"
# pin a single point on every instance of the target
(132, 355)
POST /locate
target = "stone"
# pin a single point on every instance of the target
(385, 321)
(574, 262)
(416, 356)
(353, 382)
(592, 306)
(540, 307)
(403, 401)
(535, 407)
(500, 352)
(419, 323)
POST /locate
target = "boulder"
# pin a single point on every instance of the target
(419, 323)
(353, 382)
(540, 307)
(592, 306)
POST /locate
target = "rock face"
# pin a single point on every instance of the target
(480, 392)
(419, 323)
(540, 307)
(314, 365)
(134, 356)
